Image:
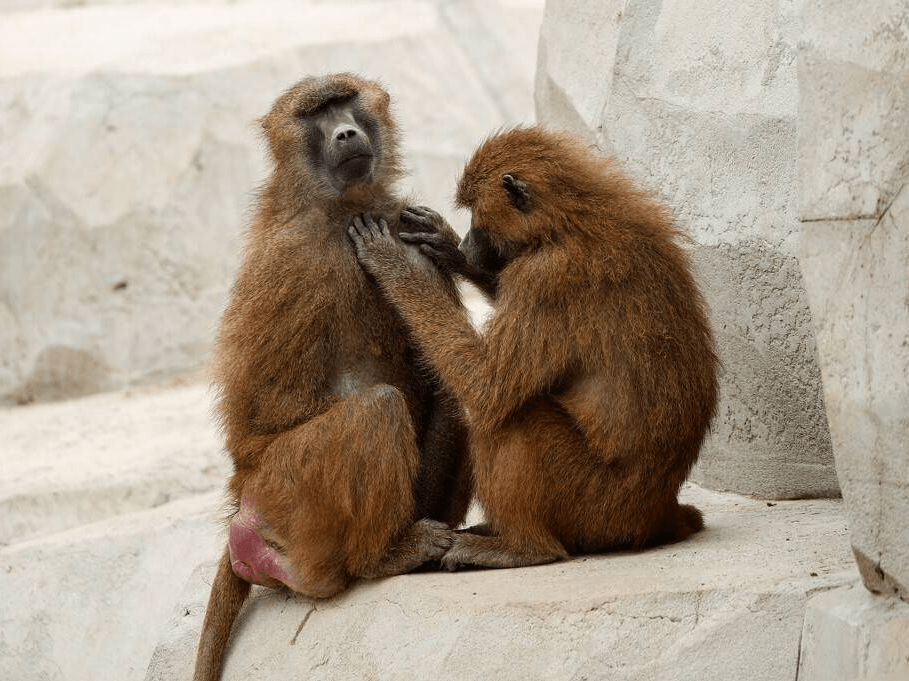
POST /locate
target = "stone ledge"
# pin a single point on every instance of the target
(76, 462)
(727, 604)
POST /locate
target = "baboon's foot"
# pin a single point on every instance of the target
(495, 552)
(434, 538)
(426, 540)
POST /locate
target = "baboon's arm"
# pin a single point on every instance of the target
(491, 375)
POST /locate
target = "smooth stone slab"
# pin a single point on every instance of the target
(70, 463)
(850, 634)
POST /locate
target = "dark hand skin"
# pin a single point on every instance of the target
(439, 243)
(434, 236)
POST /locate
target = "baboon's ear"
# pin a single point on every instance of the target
(518, 192)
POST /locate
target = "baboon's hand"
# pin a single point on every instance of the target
(374, 243)
(426, 220)
(443, 254)
(457, 556)
(436, 240)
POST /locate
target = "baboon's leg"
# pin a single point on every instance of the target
(496, 552)
(332, 499)
(525, 492)
(444, 485)
(335, 495)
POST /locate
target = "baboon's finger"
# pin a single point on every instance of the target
(419, 237)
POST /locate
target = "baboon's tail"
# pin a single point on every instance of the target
(228, 592)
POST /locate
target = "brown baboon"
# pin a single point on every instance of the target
(348, 456)
(590, 393)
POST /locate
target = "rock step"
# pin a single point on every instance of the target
(727, 604)
(851, 634)
(69, 463)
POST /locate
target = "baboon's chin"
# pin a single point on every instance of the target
(354, 171)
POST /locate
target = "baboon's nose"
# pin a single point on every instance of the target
(345, 132)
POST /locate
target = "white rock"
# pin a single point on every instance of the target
(854, 178)
(728, 604)
(129, 157)
(853, 109)
(852, 634)
(857, 274)
(89, 603)
(77, 462)
(701, 106)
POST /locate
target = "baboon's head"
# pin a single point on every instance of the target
(331, 134)
(527, 185)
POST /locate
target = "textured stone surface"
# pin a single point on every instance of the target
(88, 603)
(129, 157)
(857, 272)
(728, 604)
(853, 108)
(76, 462)
(854, 175)
(852, 634)
(702, 107)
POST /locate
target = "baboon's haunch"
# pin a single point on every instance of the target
(343, 449)
(590, 393)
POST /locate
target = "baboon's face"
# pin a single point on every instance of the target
(343, 143)
(481, 252)
(327, 135)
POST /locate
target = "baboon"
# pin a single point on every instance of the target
(349, 459)
(592, 388)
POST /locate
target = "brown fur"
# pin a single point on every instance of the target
(340, 439)
(590, 393)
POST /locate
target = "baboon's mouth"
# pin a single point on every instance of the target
(357, 157)
(356, 168)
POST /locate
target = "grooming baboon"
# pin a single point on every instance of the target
(343, 449)
(589, 395)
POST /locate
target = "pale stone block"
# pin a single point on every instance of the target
(850, 634)
(854, 179)
(90, 602)
(78, 462)
(858, 276)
